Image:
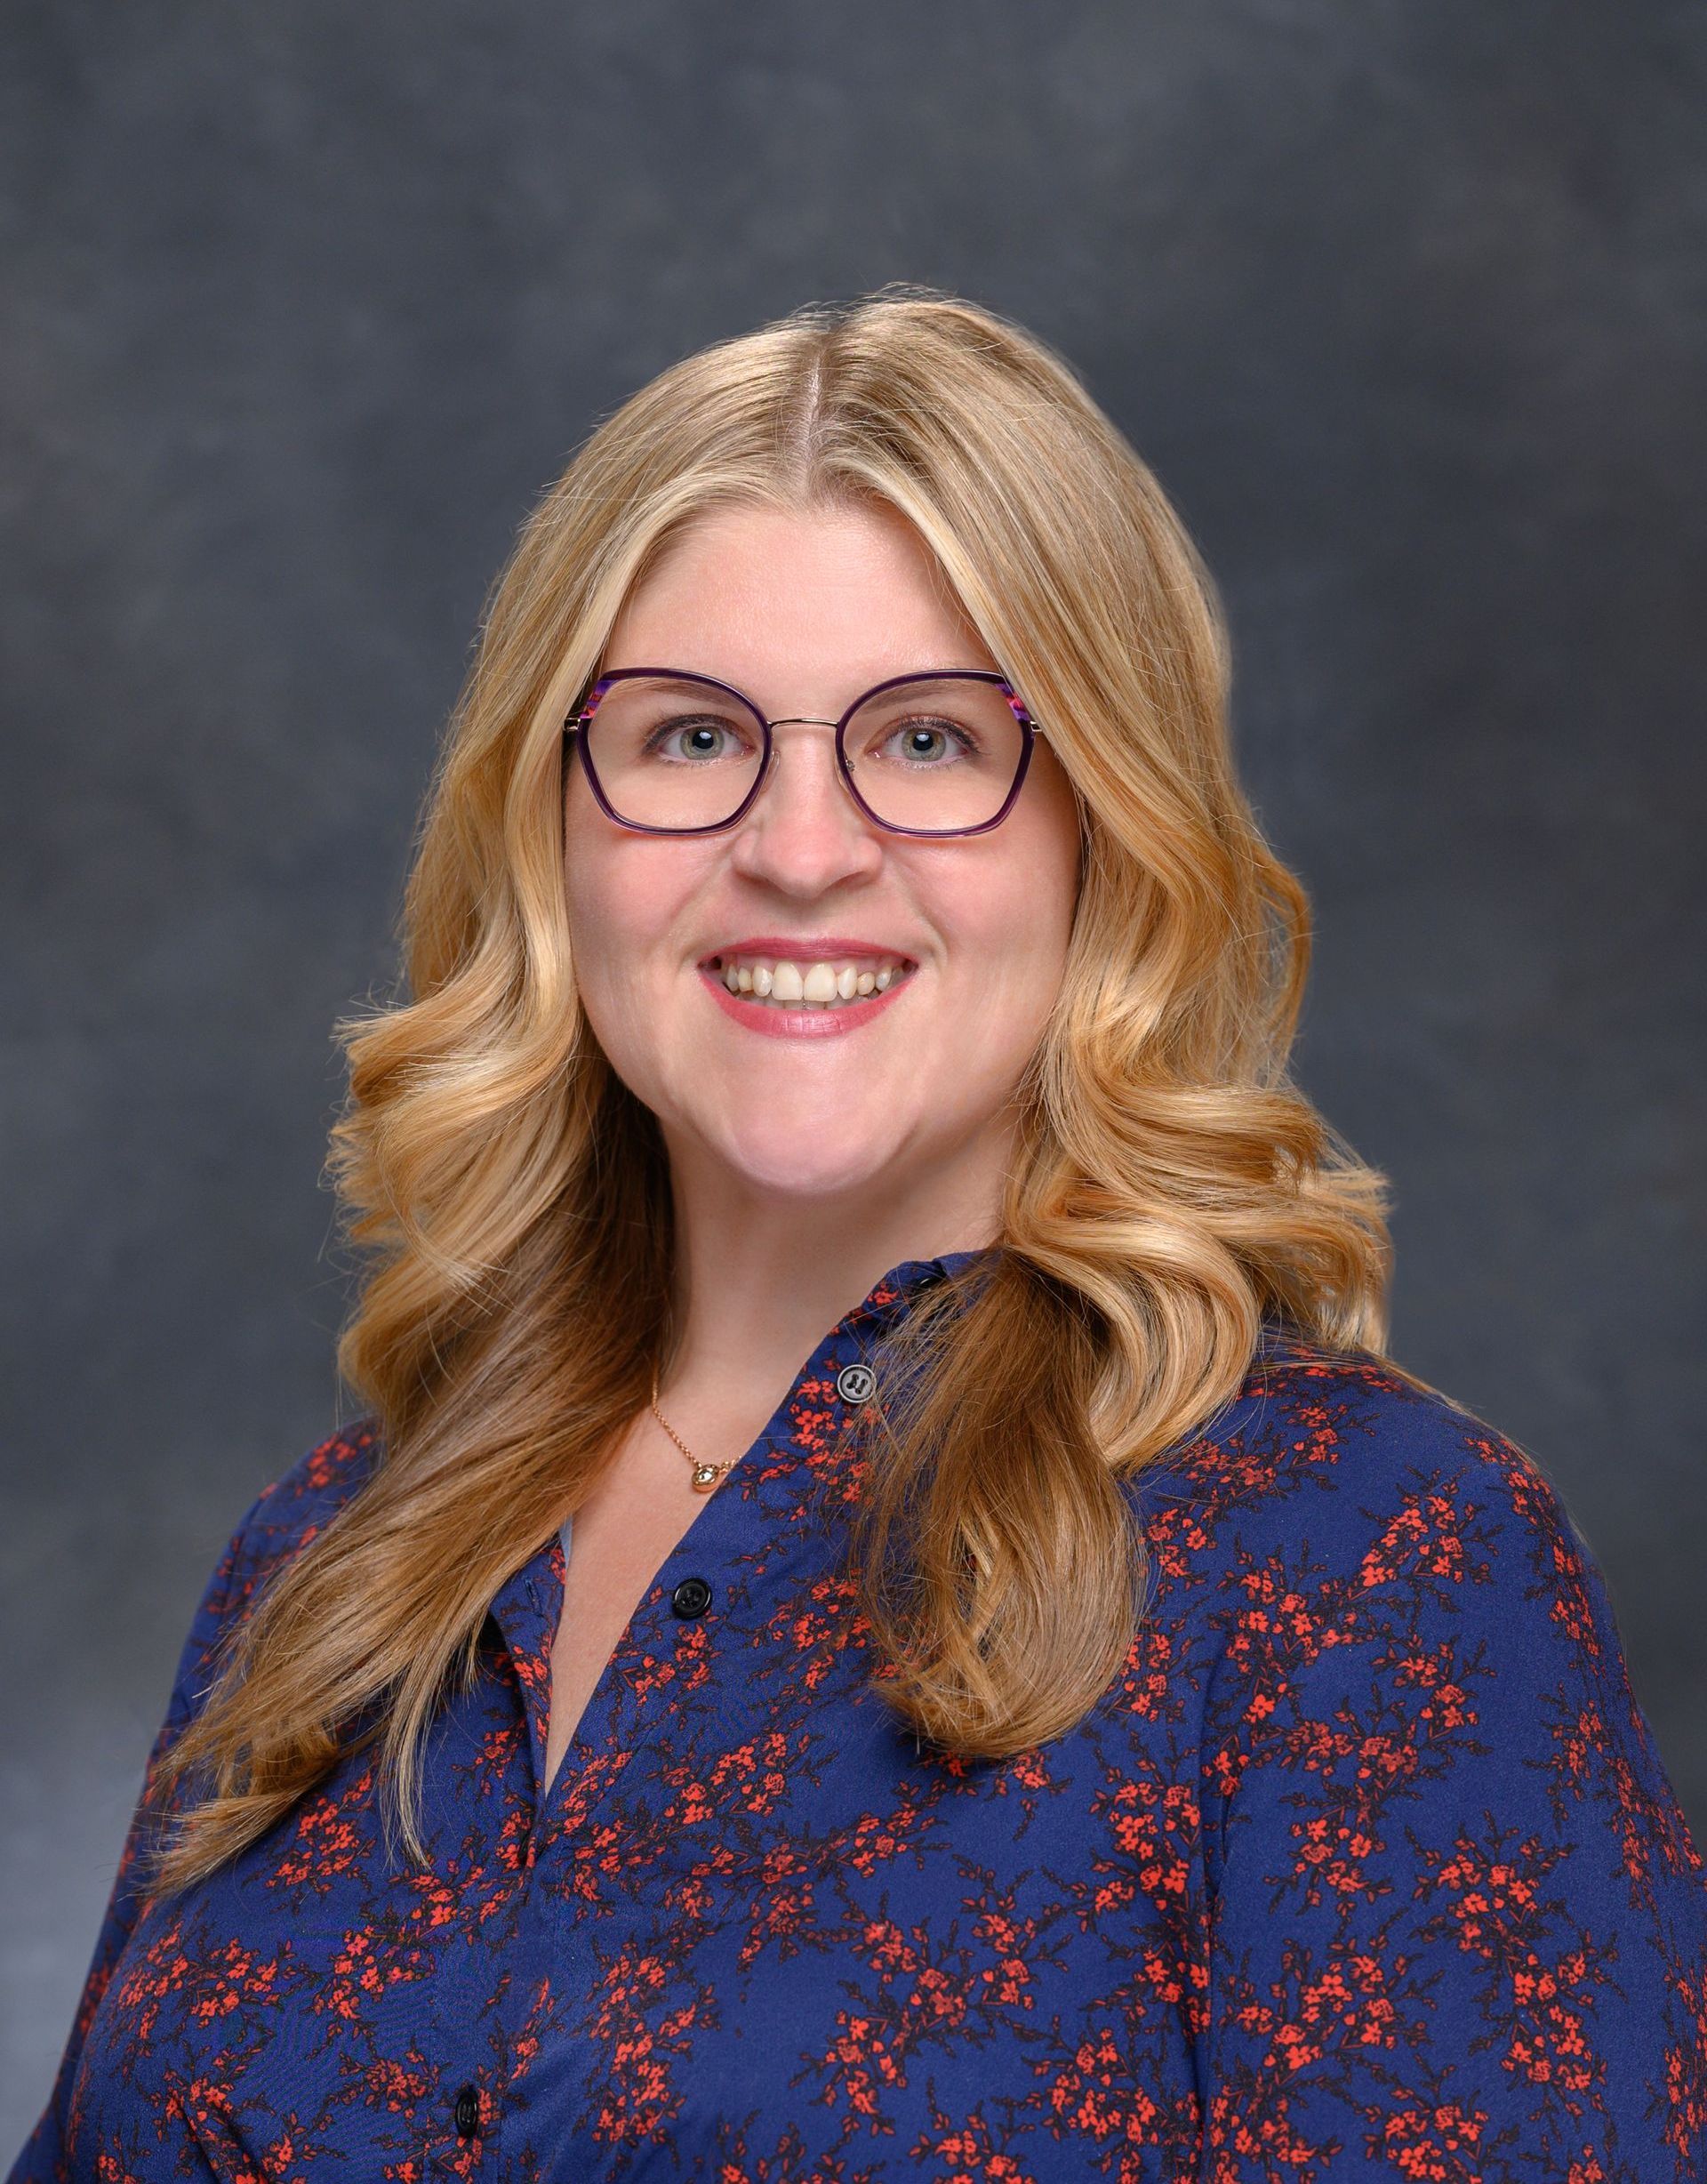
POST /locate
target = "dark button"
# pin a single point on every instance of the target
(692, 1596)
(466, 2113)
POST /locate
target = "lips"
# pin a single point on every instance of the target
(814, 973)
(807, 948)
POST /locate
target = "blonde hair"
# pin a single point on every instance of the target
(1174, 1185)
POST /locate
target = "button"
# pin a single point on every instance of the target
(856, 1384)
(466, 2113)
(692, 1596)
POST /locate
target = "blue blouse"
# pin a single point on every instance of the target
(1364, 1865)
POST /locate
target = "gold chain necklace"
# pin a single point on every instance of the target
(707, 1477)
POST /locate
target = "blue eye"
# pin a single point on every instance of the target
(693, 743)
(927, 744)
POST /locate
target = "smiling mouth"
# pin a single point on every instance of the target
(784, 981)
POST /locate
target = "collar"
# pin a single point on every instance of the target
(886, 1298)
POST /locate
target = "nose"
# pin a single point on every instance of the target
(804, 833)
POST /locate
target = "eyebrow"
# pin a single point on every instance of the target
(684, 678)
(670, 674)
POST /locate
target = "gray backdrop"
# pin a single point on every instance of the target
(303, 303)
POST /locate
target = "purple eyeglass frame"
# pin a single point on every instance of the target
(582, 716)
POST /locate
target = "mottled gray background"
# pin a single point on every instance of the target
(1407, 305)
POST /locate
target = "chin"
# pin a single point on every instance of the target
(817, 1163)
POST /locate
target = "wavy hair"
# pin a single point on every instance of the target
(1173, 1187)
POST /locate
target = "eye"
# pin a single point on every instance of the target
(689, 741)
(926, 741)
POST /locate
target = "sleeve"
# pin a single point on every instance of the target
(228, 1591)
(1459, 1926)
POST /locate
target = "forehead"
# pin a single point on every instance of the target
(801, 608)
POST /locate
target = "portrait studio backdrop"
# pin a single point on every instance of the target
(1405, 308)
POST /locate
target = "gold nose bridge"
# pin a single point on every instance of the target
(799, 720)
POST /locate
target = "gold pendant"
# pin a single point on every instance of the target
(706, 1476)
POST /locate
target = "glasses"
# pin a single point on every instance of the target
(931, 754)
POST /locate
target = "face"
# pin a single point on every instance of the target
(963, 940)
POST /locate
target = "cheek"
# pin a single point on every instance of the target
(1005, 922)
(1015, 944)
(621, 898)
(592, 895)
(1018, 913)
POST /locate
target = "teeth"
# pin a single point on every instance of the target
(813, 986)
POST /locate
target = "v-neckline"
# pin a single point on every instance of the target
(528, 1607)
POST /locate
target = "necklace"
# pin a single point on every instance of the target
(707, 1477)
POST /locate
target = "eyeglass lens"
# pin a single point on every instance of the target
(934, 753)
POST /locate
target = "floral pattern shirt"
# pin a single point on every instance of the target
(1364, 1866)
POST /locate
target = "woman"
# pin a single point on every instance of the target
(889, 1615)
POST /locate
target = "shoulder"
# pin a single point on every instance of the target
(1347, 1451)
(287, 1514)
(1351, 1570)
(1348, 1567)
(1340, 1522)
(302, 1501)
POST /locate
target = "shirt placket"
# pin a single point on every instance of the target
(478, 1996)
(665, 1674)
